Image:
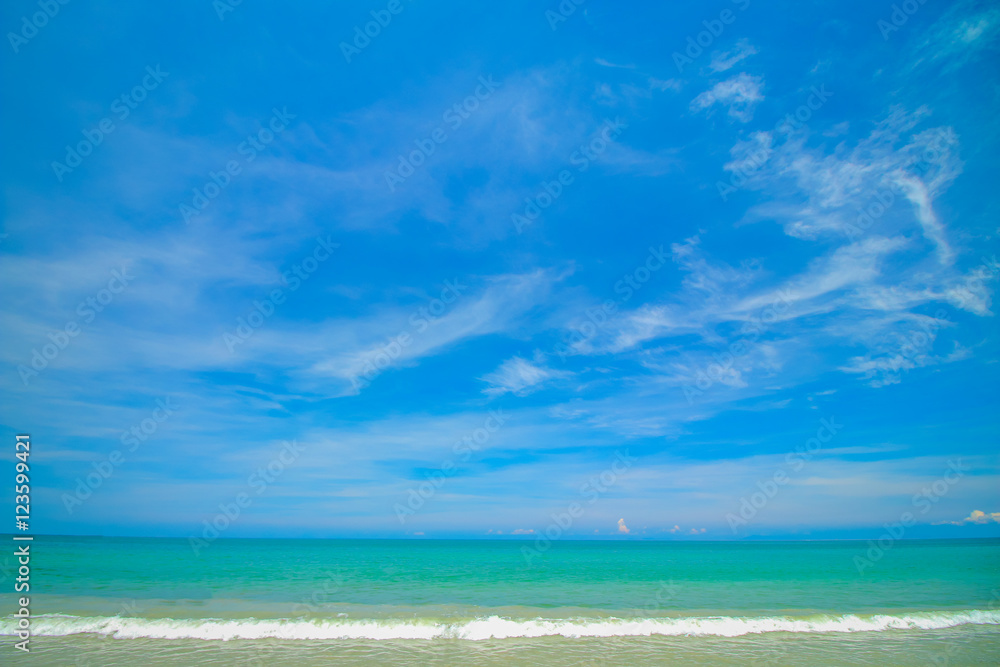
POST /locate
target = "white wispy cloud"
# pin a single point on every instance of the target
(519, 376)
(886, 369)
(724, 60)
(496, 308)
(857, 292)
(917, 192)
(606, 63)
(967, 31)
(740, 94)
(851, 192)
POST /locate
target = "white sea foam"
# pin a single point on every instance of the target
(492, 627)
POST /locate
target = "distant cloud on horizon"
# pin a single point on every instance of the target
(976, 517)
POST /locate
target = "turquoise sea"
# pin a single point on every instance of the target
(117, 601)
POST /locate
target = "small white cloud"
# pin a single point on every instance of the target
(749, 156)
(741, 94)
(972, 292)
(622, 528)
(838, 130)
(696, 531)
(522, 531)
(668, 84)
(724, 60)
(605, 95)
(519, 376)
(605, 63)
(970, 31)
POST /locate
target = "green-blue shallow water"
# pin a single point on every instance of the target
(367, 600)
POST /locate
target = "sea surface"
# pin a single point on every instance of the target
(131, 601)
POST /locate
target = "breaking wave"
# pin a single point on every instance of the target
(491, 627)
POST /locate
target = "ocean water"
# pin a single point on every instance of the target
(116, 601)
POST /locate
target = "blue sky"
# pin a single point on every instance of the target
(476, 262)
